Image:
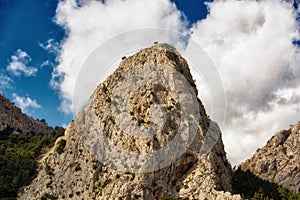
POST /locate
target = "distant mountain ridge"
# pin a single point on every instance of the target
(279, 160)
(13, 117)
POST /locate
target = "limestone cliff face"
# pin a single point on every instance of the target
(72, 169)
(279, 160)
(12, 117)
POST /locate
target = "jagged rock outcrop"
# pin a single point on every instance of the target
(279, 160)
(12, 117)
(72, 169)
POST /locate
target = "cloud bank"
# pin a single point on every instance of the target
(18, 64)
(250, 43)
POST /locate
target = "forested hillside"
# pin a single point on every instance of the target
(19, 155)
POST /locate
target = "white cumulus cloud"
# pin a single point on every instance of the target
(18, 64)
(93, 22)
(25, 102)
(251, 44)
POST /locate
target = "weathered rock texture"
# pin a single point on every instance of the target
(279, 160)
(12, 117)
(74, 173)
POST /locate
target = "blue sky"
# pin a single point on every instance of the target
(254, 46)
(26, 26)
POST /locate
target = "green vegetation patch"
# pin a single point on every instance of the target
(249, 186)
(18, 158)
(61, 145)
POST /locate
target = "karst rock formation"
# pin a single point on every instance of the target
(279, 160)
(85, 169)
(12, 117)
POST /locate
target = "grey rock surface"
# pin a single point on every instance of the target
(13, 117)
(279, 160)
(77, 173)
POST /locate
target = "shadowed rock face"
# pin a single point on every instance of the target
(12, 117)
(279, 160)
(77, 173)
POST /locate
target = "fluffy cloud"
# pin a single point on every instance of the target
(18, 64)
(91, 23)
(251, 44)
(5, 82)
(25, 102)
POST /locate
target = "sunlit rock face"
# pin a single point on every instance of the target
(12, 117)
(279, 160)
(143, 134)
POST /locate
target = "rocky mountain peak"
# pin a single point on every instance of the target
(143, 134)
(278, 160)
(12, 117)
